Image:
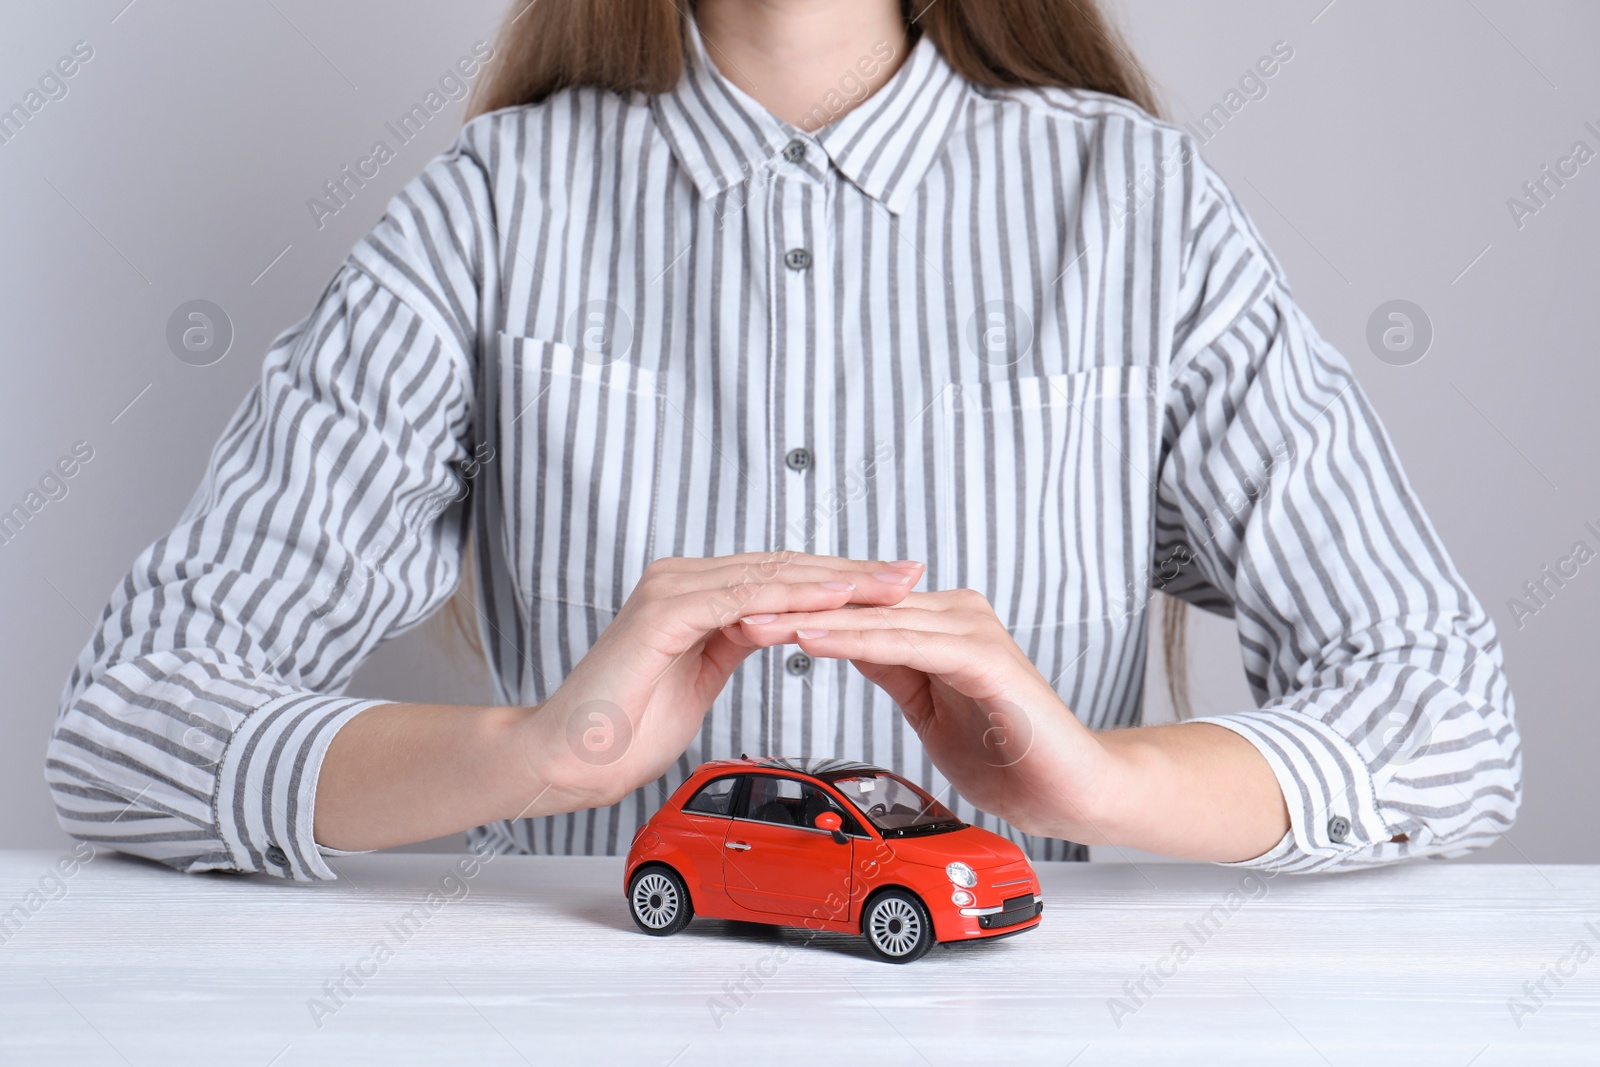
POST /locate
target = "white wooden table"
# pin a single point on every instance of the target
(536, 961)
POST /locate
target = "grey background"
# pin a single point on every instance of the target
(1378, 165)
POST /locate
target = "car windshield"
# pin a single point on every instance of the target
(895, 806)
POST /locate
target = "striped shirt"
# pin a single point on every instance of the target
(1026, 336)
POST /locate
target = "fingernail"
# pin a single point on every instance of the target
(906, 564)
(892, 578)
(811, 633)
(758, 618)
(838, 586)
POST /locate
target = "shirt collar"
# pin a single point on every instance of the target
(885, 146)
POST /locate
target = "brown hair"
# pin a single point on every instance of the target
(544, 46)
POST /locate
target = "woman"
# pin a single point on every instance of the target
(789, 363)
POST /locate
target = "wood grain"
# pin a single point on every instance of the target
(535, 961)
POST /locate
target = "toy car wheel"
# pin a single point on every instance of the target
(659, 901)
(897, 927)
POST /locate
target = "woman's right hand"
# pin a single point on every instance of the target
(632, 704)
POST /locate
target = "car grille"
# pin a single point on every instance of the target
(1013, 911)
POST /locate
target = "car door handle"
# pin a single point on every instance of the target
(739, 845)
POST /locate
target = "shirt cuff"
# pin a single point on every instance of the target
(267, 784)
(1333, 807)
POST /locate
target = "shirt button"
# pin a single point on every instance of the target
(797, 259)
(1339, 829)
(798, 459)
(798, 664)
(795, 150)
(276, 857)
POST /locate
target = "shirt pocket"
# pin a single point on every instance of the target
(579, 485)
(1046, 497)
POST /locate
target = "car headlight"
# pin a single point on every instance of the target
(961, 874)
(961, 898)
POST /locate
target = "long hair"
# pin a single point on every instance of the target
(545, 46)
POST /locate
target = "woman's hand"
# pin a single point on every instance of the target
(986, 717)
(398, 773)
(634, 702)
(997, 730)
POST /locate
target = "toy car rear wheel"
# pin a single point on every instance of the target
(659, 901)
(897, 927)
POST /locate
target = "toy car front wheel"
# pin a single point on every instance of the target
(897, 927)
(659, 901)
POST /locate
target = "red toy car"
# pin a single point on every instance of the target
(826, 844)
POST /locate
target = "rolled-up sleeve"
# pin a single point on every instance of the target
(331, 516)
(1384, 711)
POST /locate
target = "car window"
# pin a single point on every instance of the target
(713, 798)
(895, 806)
(792, 802)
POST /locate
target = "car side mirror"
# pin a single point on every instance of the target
(830, 821)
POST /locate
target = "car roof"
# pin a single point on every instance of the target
(824, 768)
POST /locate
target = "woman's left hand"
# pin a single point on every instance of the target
(986, 717)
